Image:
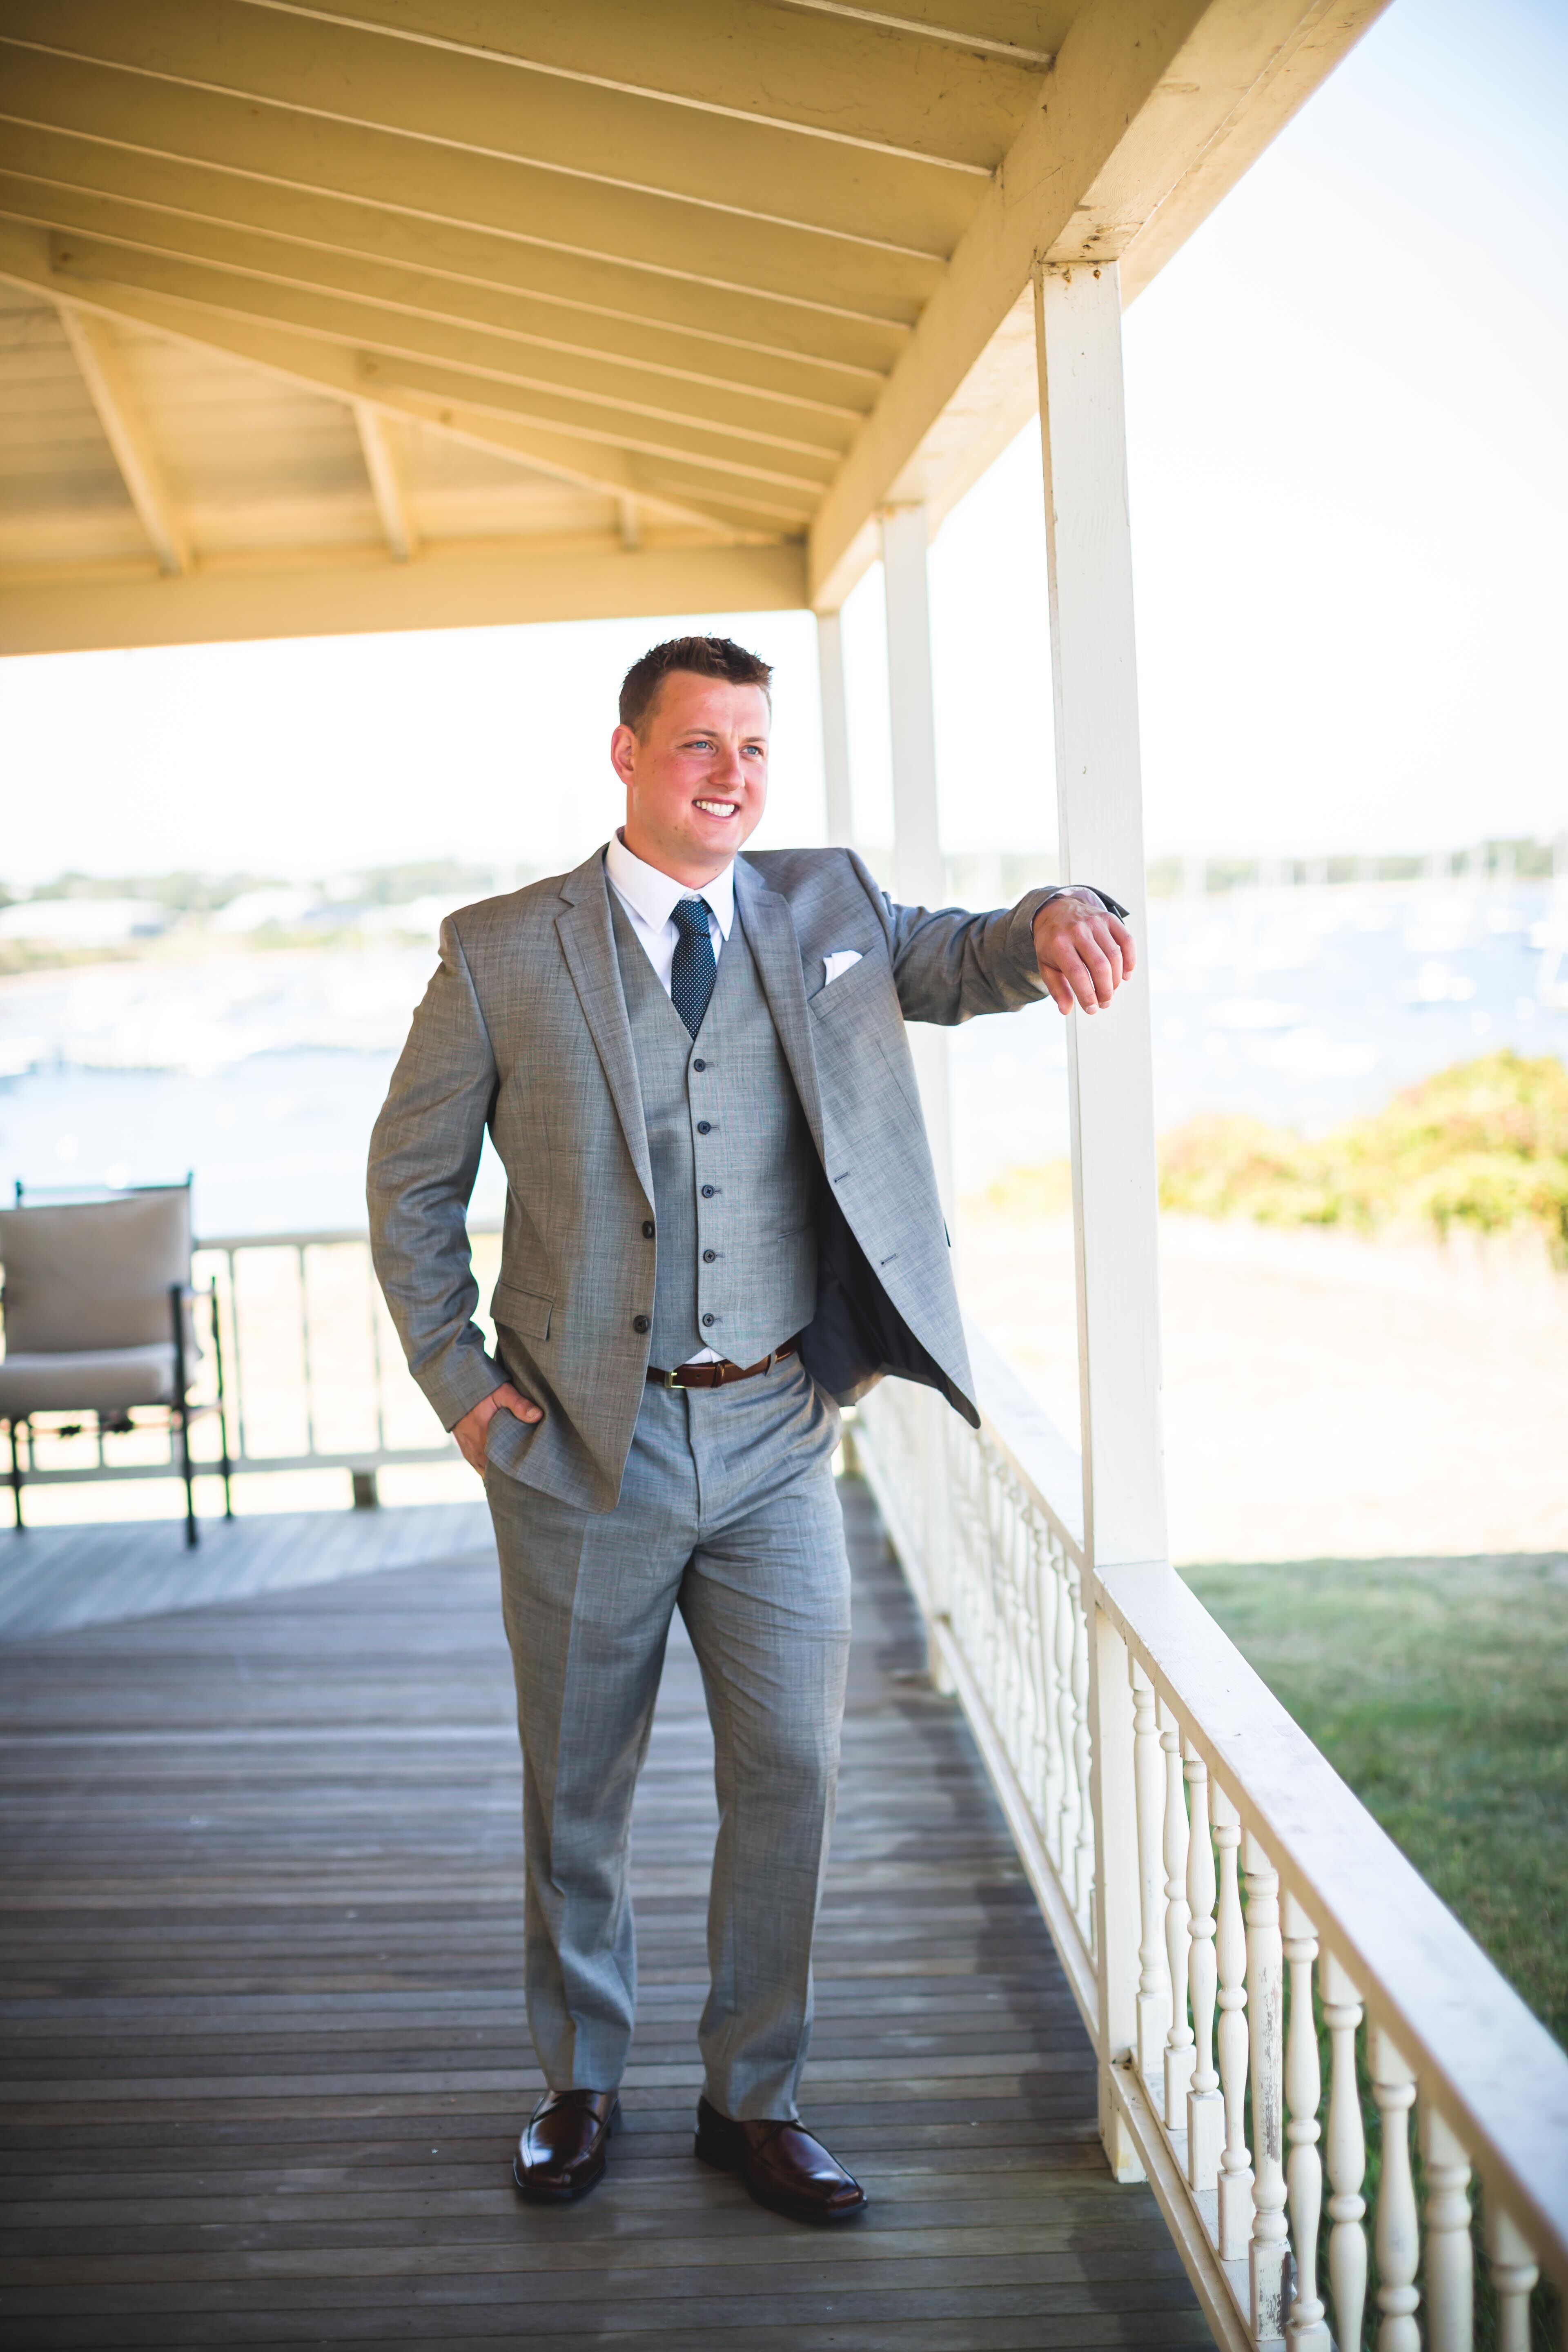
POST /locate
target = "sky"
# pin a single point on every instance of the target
(1349, 483)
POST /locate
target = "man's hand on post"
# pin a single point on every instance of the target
(470, 1432)
(1084, 953)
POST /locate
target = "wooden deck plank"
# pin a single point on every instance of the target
(264, 2049)
(56, 1580)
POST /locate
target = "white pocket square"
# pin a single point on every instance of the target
(837, 964)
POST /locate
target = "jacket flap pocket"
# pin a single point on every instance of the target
(522, 1311)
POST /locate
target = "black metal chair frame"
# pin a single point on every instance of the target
(181, 1412)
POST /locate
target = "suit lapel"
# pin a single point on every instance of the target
(775, 950)
(588, 945)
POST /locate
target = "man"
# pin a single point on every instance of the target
(722, 1223)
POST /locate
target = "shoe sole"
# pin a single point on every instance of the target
(794, 2209)
(539, 2192)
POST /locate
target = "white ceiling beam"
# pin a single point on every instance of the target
(799, 386)
(343, 594)
(614, 393)
(1141, 91)
(336, 77)
(426, 182)
(854, 77)
(326, 368)
(386, 483)
(792, 483)
(82, 183)
(104, 376)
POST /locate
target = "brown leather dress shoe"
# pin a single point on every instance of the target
(565, 2143)
(781, 2165)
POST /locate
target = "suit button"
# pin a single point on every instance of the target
(639, 1323)
(700, 1065)
(704, 1127)
(647, 1230)
(708, 1256)
(708, 1192)
(708, 1321)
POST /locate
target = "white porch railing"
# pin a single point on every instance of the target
(1130, 1742)
(314, 1377)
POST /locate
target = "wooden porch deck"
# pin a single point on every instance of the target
(264, 2049)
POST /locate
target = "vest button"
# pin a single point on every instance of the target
(708, 1321)
(700, 1065)
(704, 1127)
(708, 1256)
(708, 1192)
(647, 1230)
(639, 1323)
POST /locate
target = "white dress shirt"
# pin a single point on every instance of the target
(649, 896)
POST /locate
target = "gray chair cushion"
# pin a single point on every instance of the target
(92, 1379)
(90, 1274)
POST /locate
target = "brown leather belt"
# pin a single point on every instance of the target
(722, 1375)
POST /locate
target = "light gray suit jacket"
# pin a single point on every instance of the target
(523, 1028)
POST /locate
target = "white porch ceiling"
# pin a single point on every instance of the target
(412, 313)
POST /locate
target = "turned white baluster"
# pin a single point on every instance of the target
(1269, 2252)
(1514, 2275)
(1306, 2327)
(1450, 2267)
(1051, 1697)
(1178, 2039)
(1066, 1845)
(1205, 2108)
(1230, 1953)
(1083, 1860)
(1398, 2233)
(1154, 1993)
(1347, 2158)
(1047, 1771)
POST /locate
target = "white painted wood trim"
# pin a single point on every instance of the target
(387, 487)
(1078, 318)
(1493, 2069)
(832, 686)
(1078, 1965)
(140, 466)
(918, 870)
(1210, 2277)
(346, 591)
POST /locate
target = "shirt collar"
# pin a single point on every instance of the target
(653, 894)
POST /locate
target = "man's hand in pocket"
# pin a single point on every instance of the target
(473, 1428)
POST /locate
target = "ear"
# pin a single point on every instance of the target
(622, 755)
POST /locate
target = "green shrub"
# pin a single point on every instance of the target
(1483, 1144)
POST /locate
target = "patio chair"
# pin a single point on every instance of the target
(99, 1321)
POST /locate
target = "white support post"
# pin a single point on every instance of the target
(835, 729)
(917, 877)
(1078, 320)
(1078, 340)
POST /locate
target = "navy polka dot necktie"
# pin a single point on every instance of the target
(692, 971)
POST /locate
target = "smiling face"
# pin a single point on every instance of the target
(696, 776)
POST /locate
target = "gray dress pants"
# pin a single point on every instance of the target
(728, 1512)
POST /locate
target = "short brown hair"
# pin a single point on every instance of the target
(719, 657)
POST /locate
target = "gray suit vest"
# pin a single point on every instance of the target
(734, 1170)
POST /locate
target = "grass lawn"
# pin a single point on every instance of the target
(1438, 1688)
